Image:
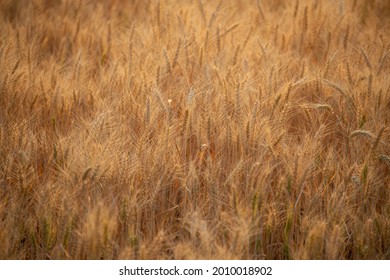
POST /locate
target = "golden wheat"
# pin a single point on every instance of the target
(194, 129)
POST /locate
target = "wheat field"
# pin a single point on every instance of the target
(200, 129)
